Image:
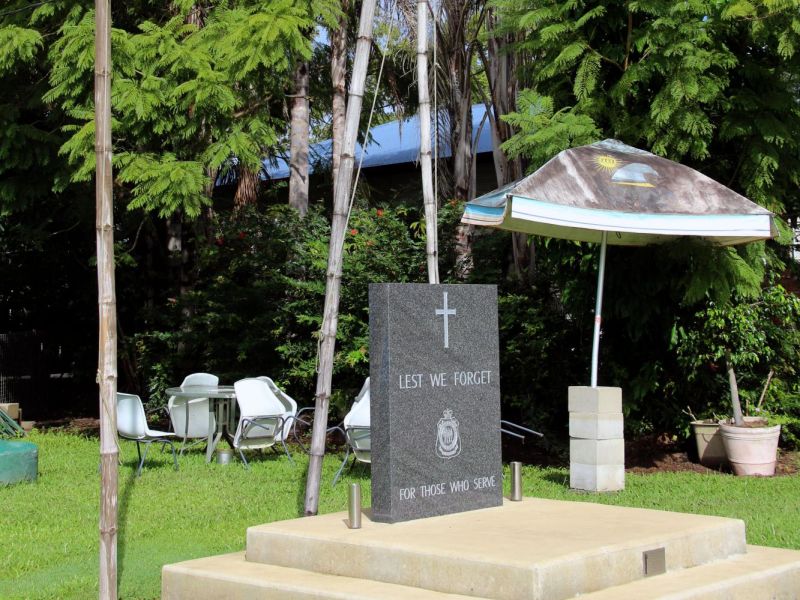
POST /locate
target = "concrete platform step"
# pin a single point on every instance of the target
(231, 577)
(537, 549)
(761, 574)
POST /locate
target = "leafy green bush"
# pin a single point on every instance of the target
(256, 308)
(546, 325)
(783, 407)
(379, 247)
(543, 330)
(759, 338)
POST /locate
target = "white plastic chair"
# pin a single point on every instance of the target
(357, 430)
(132, 425)
(261, 420)
(190, 418)
(289, 405)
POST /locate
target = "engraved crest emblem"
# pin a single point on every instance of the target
(448, 442)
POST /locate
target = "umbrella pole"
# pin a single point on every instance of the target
(598, 307)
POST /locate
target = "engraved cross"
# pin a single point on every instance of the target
(446, 312)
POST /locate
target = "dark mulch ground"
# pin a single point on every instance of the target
(89, 427)
(649, 454)
(652, 454)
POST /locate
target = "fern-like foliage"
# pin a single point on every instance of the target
(543, 133)
(18, 44)
(715, 85)
(711, 84)
(164, 183)
(186, 99)
(29, 126)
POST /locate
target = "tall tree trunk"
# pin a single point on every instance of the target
(461, 135)
(298, 161)
(428, 196)
(107, 304)
(175, 246)
(197, 15)
(338, 37)
(501, 72)
(459, 73)
(458, 53)
(246, 188)
(334, 272)
(461, 140)
(179, 252)
(178, 258)
(736, 405)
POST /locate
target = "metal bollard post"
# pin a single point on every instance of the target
(224, 456)
(516, 481)
(354, 506)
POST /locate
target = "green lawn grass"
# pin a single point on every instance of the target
(49, 529)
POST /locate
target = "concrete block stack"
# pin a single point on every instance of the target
(596, 442)
(12, 410)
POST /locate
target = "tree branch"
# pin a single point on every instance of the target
(628, 41)
(252, 108)
(605, 58)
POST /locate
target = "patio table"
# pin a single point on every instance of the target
(220, 399)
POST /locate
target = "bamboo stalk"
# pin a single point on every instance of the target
(341, 199)
(106, 298)
(338, 37)
(428, 196)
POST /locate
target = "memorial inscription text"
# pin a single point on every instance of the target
(411, 381)
(435, 408)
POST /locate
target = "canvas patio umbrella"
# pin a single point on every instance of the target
(611, 193)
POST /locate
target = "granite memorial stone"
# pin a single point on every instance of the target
(435, 400)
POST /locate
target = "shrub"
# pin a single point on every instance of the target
(756, 337)
(256, 308)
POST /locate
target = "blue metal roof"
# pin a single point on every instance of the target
(391, 143)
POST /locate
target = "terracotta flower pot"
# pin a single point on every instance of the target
(751, 450)
(710, 449)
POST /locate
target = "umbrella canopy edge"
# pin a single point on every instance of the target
(518, 213)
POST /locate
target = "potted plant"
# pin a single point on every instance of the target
(751, 444)
(708, 440)
(749, 337)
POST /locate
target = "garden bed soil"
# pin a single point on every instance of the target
(658, 453)
(648, 454)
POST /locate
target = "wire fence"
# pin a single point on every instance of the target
(34, 372)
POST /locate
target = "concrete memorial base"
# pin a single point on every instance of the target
(534, 549)
(596, 444)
